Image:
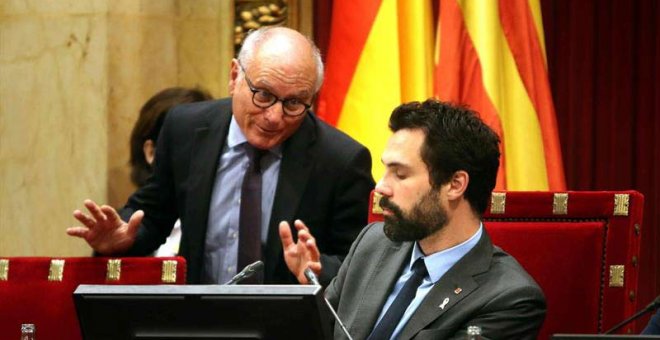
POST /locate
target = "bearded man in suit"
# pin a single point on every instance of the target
(430, 270)
(306, 170)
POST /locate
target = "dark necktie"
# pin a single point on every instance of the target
(390, 320)
(249, 236)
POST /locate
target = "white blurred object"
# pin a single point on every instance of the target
(171, 245)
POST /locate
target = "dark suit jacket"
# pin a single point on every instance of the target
(324, 180)
(653, 327)
(495, 292)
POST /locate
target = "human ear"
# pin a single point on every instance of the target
(458, 185)
(149, 150)
(233, 75)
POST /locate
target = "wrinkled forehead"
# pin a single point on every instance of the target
(291, 50)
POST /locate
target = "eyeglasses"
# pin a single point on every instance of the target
(261, 98)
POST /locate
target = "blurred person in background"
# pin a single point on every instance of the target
(143, 146)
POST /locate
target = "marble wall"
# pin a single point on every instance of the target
(73, 76)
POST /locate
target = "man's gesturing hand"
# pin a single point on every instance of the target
(302, 254)
(104, 230)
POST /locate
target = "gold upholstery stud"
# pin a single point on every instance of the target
(616, 275)
(498, 203)
(56, 270)
(4, 269)
(169, 271)
(621, 204)
(375, 204)
(113, 271)
(560, 204)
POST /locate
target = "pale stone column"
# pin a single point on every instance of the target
(73, 76)
(53, 120)
(155, 44)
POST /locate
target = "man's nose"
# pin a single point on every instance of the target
(382, 188)
(275, 113)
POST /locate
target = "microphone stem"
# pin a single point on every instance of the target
(626, 321)
(311, 277)
(341, 324)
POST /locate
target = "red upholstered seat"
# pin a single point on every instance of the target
(581, 247)
(39, 290)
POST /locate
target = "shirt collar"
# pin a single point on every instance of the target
(439, 263)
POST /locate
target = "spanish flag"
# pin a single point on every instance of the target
(491, 56)
(380, 55)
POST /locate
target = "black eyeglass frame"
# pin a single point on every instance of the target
(275, 98)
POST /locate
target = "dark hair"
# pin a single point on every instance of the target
(152, 115)
(456, 139)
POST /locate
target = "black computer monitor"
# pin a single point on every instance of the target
(202, 312)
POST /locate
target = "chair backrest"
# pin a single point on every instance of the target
(39, 290)
(581, 247)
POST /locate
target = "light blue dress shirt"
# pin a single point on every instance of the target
(221, 245)
(437, 265)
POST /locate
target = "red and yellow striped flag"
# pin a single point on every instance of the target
(491, 56)
(380, 55)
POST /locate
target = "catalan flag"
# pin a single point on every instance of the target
(380, 55)
(491, 56)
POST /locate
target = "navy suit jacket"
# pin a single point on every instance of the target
(495, 292)
(653, 327)
(325, 180)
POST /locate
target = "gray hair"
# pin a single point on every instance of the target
(258, 36)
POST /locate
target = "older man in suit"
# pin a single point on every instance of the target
(430, 270)
(232, 169)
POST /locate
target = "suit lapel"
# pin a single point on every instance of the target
(381, 281)
(297, 161)
(446, 294)
(208, 140)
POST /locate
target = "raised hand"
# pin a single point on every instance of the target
(302, 254)
(104, 230)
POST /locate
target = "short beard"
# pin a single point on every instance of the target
(426, 217)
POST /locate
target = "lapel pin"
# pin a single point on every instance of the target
(458, 290)
(444, 303)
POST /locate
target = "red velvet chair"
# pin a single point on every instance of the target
(39, 290)
(581, 247)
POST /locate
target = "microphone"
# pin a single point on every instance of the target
(651, 306)
(248, 271)
(311, 277)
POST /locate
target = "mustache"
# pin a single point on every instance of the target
(385, 203)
